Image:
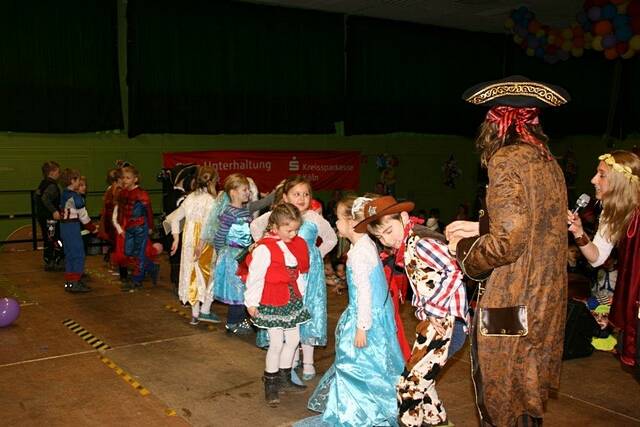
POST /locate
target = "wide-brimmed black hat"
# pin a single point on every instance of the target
(516, 91)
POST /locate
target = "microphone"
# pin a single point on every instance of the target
(582, 202)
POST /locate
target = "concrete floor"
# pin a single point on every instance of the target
(200, 376)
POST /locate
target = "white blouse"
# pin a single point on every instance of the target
(604, 245)
(261, 259)
(362, 259)
(325, 232)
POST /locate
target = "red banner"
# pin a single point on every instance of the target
(326, 170)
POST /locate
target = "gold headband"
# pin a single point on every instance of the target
(625, 170)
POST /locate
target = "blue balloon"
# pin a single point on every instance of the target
(608, 41)
(624, 34)
(621, 21)
(540, 52)
(609, 11)
(9, 311)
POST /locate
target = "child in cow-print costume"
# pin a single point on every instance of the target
(439, 298)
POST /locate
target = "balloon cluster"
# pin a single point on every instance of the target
(610, 26)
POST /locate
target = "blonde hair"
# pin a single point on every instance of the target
(621, 200)
(133, 171)
(206, 177)
(349, 201)
(282, 214)
(488, 142)
(234, 181)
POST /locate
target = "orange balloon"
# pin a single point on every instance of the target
(602, 28)
(611, 53)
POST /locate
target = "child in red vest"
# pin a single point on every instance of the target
(275, 285)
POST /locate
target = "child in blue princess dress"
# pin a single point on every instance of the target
(360, 387)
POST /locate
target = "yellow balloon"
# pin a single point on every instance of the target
(577, 51)
(567, 45)
(628, 54)
(567, 33)
(597, 43)
(517, 39)
(622, 8)
(588, 41)
(551, 39)
(635, 42)
(509, 24)
(540, 33)
(530, 52)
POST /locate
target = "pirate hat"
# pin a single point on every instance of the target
(516, 91)
(382, 206)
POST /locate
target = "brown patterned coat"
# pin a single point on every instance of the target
(527, 248)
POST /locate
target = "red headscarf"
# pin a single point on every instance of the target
(506, 116)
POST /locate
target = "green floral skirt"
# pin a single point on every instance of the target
(286, 316)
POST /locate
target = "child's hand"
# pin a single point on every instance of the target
(174, 246)
(361, 338)
(56, 216)
(253, 311)
(196, 253)
(462, 229)
(150, 232)
(437, 323)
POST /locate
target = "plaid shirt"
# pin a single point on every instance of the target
(435, 278)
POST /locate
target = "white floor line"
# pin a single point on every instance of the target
(595, 405)
(42, 359)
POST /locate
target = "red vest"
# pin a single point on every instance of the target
(277, 279)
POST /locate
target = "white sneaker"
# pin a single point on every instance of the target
(308, 371)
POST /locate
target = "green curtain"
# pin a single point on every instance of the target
(229, 67)
(409, 77)
(58, 66)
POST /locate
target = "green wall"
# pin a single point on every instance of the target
(419, 172)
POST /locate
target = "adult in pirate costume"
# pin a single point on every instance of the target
(617, 184)
(517, 338)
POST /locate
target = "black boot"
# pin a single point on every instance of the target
(76, 287)
(271, 388)
(288, 386)
(127, 286)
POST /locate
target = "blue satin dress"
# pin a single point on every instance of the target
(228, 287)
(360, 387)
(313, 332)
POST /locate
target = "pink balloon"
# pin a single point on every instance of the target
(9, 311)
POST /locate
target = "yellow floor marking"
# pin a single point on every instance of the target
(125, 376)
